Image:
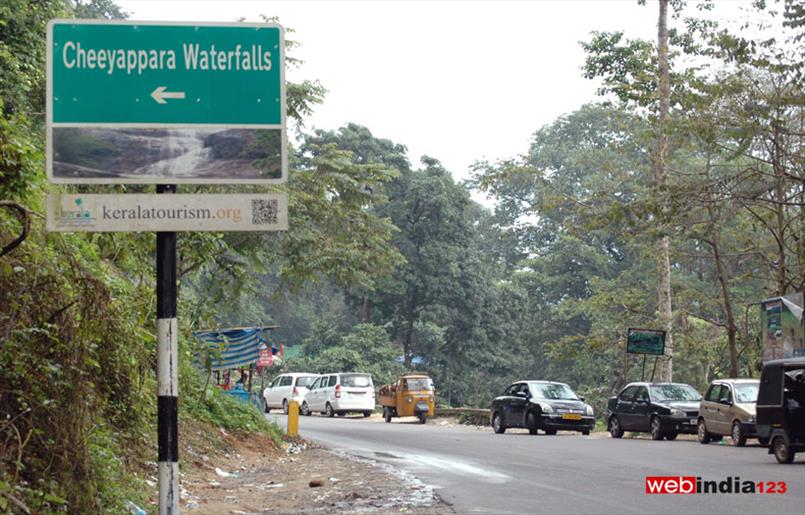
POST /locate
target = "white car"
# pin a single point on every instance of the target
(285, 388)
(340, 393)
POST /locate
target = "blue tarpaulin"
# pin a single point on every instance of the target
(232, 348)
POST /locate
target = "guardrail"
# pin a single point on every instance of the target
(472, 415)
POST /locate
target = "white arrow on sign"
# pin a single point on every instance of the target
(160, 94)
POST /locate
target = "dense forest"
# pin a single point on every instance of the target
(390, 265)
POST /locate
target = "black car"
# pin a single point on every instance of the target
(544, 405)
(662, 409)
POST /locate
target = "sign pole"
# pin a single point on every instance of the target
(167, 370)
(643, 373)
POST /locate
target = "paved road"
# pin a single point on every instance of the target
(481, 472)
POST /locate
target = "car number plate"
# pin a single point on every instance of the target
(571, 416)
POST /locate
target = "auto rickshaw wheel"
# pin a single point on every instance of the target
(387, 415)
(782, 451)
(423, 417)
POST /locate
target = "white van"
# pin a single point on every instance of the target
(340, 393)
(285, 388)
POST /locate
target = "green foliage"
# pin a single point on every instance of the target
(74, 367)
(98, 9)
(226, 412)
(364, 348)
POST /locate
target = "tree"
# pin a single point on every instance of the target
(659, 160)
(430, 211)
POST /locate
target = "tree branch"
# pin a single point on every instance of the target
(22, 214)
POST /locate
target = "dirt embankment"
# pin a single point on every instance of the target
(231, 474)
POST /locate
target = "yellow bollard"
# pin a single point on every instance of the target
(293, 418)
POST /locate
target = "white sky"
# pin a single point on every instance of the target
(457, 80)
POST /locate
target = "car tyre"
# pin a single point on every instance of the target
(782, 451)
(655, 428)
(328, 410)
(702, 434)
(266, 409)
(285, 406)
(305, 409)
(671, 436)
(497, 423)
(531, 423)
(615, 428)
(585, 433)
(367, 414)
(738, 436)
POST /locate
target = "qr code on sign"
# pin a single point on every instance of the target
(264, 211)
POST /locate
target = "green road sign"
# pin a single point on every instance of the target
(143, 73)
(124, 98)
(645, 341)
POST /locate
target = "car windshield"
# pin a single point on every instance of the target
(674, 392)
(355, 380)
(305, 381)
(746, 392)
(418, 383)
(552, 391)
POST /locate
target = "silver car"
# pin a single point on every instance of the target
(728, 409)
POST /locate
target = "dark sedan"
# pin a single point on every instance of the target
(662, 409)
(544, 405)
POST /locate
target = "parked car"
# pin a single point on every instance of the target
(544, 405)
(340, 394)
(285, 388)
(781, 407)
(728, 409)
(662, 409)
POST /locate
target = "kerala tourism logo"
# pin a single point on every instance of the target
(78, 216)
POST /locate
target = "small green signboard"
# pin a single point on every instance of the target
(645, 341)
(161, 102)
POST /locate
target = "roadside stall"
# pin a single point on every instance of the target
(235, 357)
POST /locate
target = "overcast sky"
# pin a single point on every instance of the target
(456, 80)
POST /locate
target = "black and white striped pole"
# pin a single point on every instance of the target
(167, 370)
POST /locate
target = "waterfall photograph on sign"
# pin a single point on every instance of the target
(137, 155)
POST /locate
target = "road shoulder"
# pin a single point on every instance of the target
(255, 477)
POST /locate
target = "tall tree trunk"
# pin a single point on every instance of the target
(732, 329)
(659, 163)
(367, 309)
(409, 330)
(779, 207)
